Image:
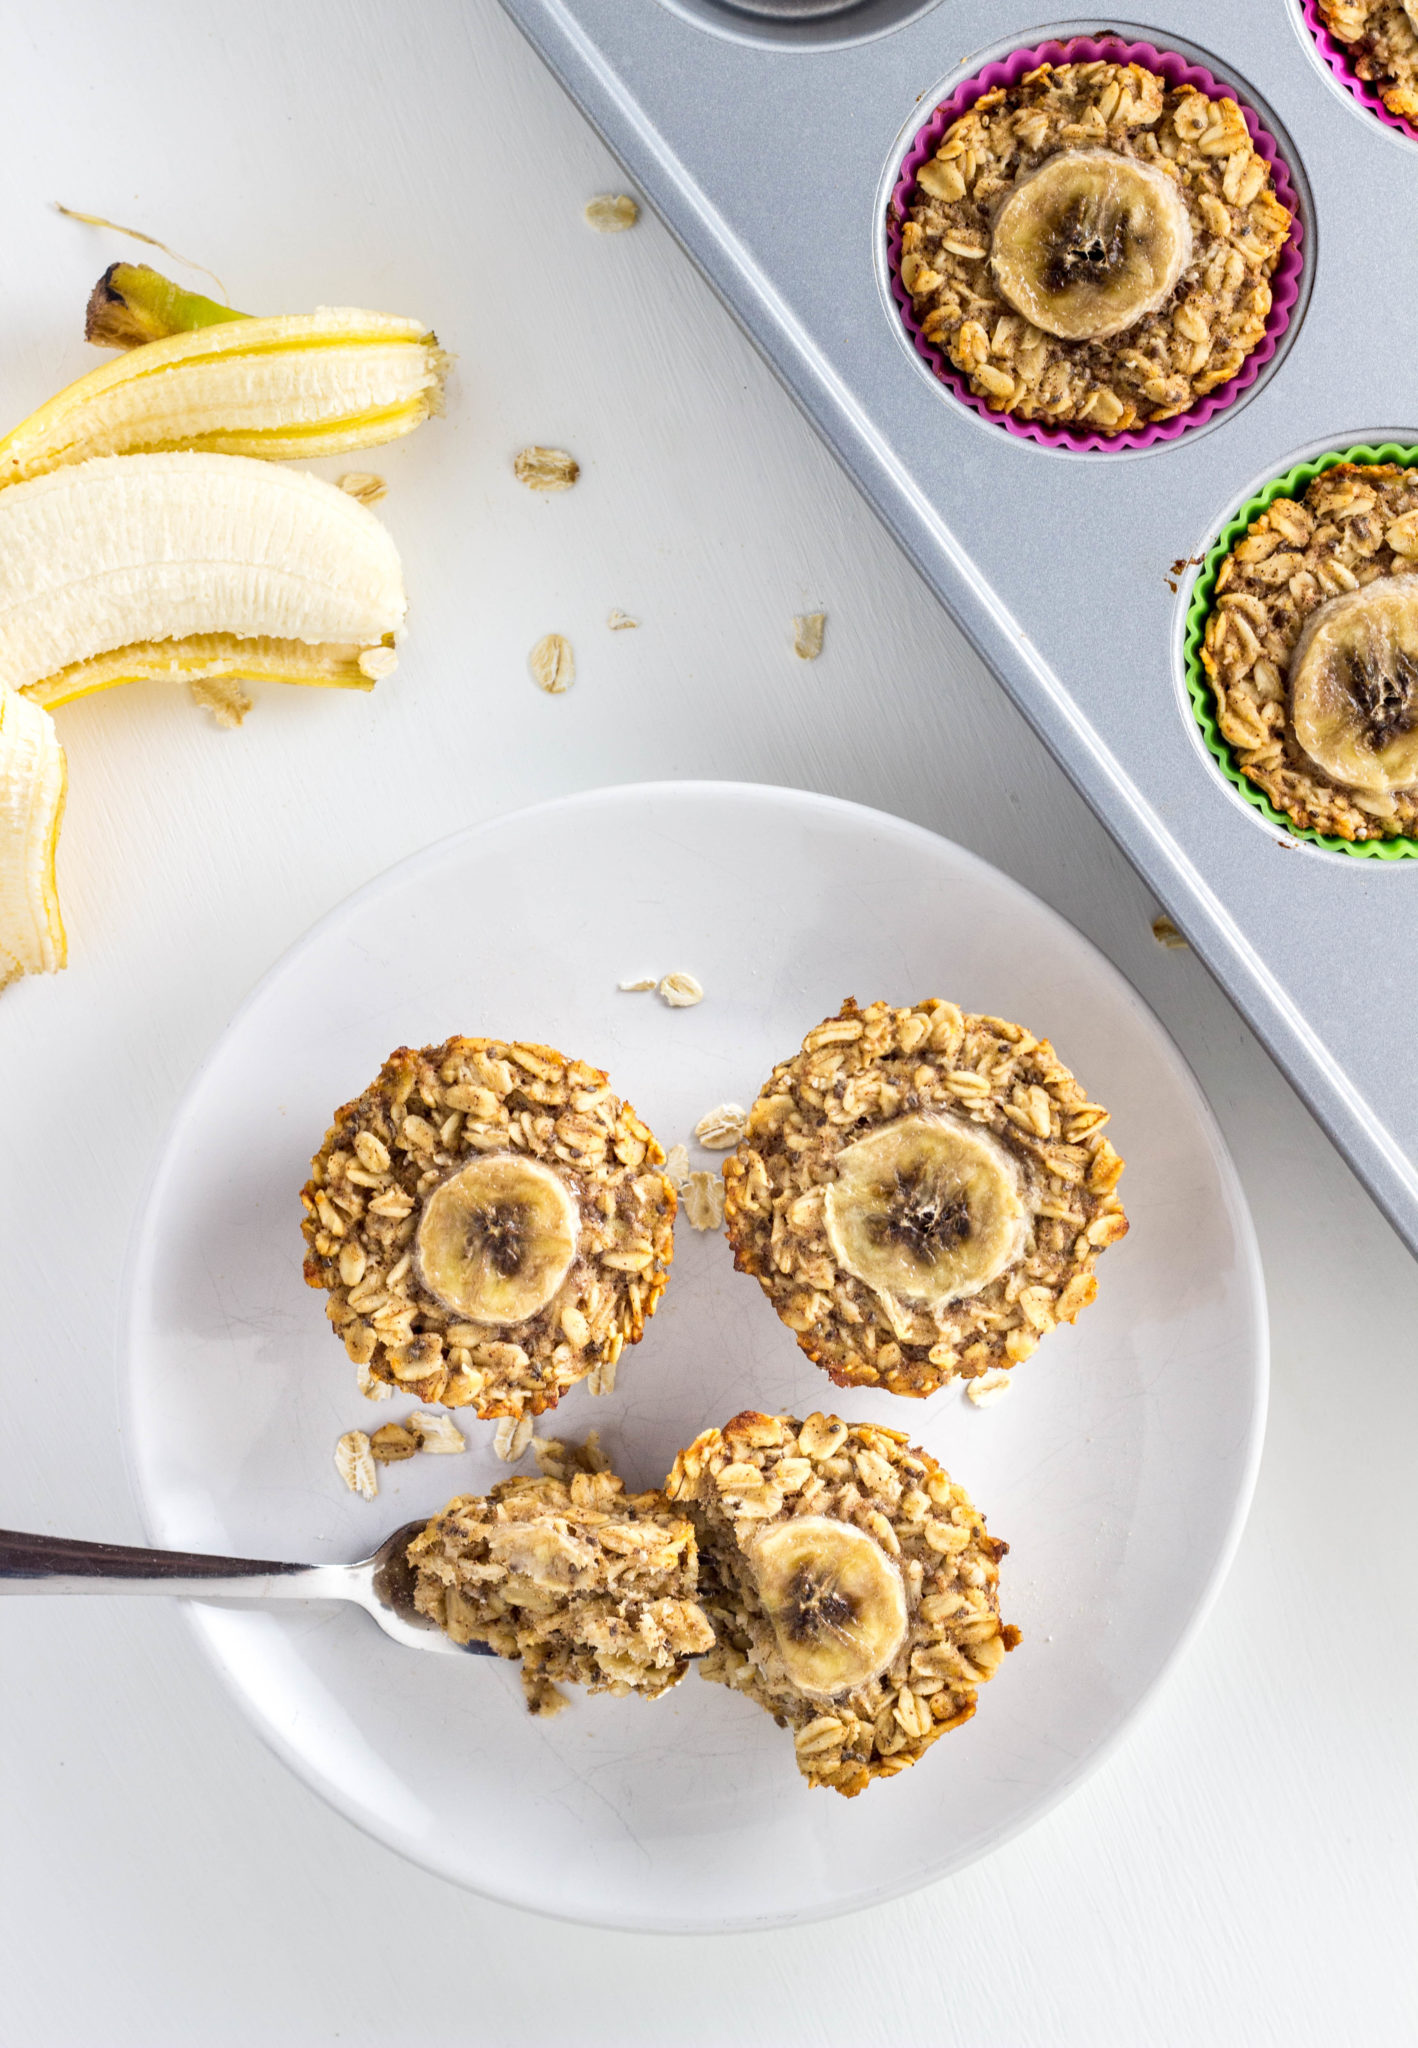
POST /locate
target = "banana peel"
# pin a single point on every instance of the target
(288, 387)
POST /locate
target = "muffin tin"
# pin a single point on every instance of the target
(1072, 570)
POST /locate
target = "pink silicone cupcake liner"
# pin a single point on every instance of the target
(1284, 284)
(1341, 62)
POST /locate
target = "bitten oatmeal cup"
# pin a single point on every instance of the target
(1311, 651)
(580, 1579)
(1092, 243)
(922, 1194)
(851, 1584)
(491, 1225)
(1380, 40)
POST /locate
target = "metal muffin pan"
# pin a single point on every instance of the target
(1064, 581)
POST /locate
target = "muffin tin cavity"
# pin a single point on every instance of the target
(1390, 93)
(800, 24)
(1201, 603)
(1255, 161)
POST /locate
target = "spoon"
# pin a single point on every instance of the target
(383, 1585)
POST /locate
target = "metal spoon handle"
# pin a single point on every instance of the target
(59, 1564)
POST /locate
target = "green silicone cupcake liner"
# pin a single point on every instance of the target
(1294, 482)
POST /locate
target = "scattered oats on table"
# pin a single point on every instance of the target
(807, 635)
(621, 622)
(438, 1434)
(720, 1128)
(851, 1585)
(1311, 649)
(546, 469)
(490, 1224)
(922, 1193)
(225, 697)
(703, 1199)
(610, 213)
(354, 1461)
(681, 991)
(363, 485)
(553, 664)
(580, 1579)
(1382, 38)
(984, 1393)
(1092, 245)
(638, 984)
(513, 1435)
(677, 1165)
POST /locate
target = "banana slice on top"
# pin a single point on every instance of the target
(1354, 686)
(497, 1239)
(836, 1602)
(1090, 242)
(926, 1210)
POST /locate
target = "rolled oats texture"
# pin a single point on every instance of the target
(1163, 363)
(553, 664)
(720, 1128)
(703, 1199)
(610, 213)
(808, 629)
(365, 486)
(570, 1573)
(681, 991)
(761, 1472)
(546, 469)
(1350, 526)
(428, 1114)
(354, 1461)
(1382, 42)
(858, 1072)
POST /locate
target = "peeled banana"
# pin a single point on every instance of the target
(1090, 242)
(926, 1211)
(297, 385)
(835, 1599)
(1354, 686)
(33, 779)
(128, 565)
(497, 1238)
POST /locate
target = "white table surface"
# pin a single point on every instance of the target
(1242, 1872)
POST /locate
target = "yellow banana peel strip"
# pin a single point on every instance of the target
(212, 657)
(296, 385)
(33, 782)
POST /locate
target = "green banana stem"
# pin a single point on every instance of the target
(133, 303)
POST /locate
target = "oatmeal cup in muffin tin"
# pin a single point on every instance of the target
(922, 1194)
(491, 1225)
(1310, 650)
(1092, 244)
(851, 1584)
(1376, 42)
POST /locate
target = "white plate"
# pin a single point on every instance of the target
(1118, 1466)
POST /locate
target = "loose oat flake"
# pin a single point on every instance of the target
(372, 1389)
(393, 1443)
(552, 663)
(991, 1387)
(514, 1433)
(677, 1165)
(227, 699)
(703, 1199)
(807, 635)
(610, 213)
(621, 622)
(681, 991)
(363, 485)
(720, 1129)
(546, 469)
(636, 984)
(354, 1461)
(438, 1433)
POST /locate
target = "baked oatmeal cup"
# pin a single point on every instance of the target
(1094, 245)
(581, 1580)
(1311, 651)
(491, 1225)
(852, 1586)
(1380, 39)
(922, 1194)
